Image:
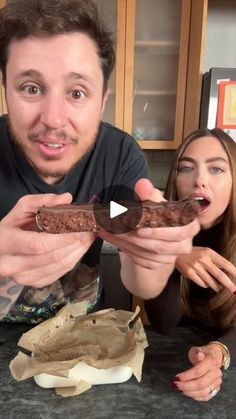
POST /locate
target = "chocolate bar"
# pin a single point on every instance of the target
(86, 217)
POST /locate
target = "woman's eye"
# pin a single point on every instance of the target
(184, 169)
(77, 94)
(216, 170)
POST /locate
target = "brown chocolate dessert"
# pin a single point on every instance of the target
(75, 218)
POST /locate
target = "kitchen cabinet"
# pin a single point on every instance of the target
(149, 83)
(156, 86)
(155, 71)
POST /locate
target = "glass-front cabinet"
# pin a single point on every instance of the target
(147, 91)
(155, 87)
(149, 85)
(157, 62)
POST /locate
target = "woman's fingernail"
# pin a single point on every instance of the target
(177, 378)
(174, 385)
(235, 292)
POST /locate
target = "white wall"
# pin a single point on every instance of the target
(221, 34)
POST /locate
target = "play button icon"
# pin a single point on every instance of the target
(116, 209)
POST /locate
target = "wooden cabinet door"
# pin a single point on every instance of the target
(195, 70)
(157, 37)
(113, 13)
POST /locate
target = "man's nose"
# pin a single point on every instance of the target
(53, 112)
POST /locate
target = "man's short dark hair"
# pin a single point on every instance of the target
(20, 19)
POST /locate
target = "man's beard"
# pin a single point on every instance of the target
(58, 173)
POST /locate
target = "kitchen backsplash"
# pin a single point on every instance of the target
(159, 163)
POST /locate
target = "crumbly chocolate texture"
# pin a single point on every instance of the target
(76, 218)
(71, 352)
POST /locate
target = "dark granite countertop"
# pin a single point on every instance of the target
(152, 398)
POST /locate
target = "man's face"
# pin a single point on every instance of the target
(54, 94)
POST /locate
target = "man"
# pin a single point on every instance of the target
(56, 58)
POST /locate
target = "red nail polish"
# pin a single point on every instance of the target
(234, 292)
(175, 387)
(177, 378)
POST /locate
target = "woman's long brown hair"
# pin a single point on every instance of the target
(223, 304)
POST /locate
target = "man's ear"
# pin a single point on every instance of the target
(104, 100)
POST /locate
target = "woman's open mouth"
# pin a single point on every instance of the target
(203, 203)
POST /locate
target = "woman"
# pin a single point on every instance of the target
(201, 290)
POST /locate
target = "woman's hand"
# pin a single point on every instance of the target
(37, 259)
(205, 377)
(207, 268)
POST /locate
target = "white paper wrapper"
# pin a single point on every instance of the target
(109, 341)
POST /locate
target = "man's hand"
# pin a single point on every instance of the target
(150, 247)
(207, 268)
(38, 259)
(205, 376)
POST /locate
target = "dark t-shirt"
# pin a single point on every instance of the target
(116, 159)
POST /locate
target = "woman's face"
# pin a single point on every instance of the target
(204, 174)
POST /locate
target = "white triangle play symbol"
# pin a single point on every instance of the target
(116, 209)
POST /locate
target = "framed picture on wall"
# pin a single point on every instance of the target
(226, 114)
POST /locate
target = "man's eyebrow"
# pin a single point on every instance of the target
(79, 76)
(71, 75)
(29, 73)
(210, 160)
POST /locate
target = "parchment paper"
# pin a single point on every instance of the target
(104, 339)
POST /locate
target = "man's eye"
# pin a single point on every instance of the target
(32, 90)
(77, 94)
